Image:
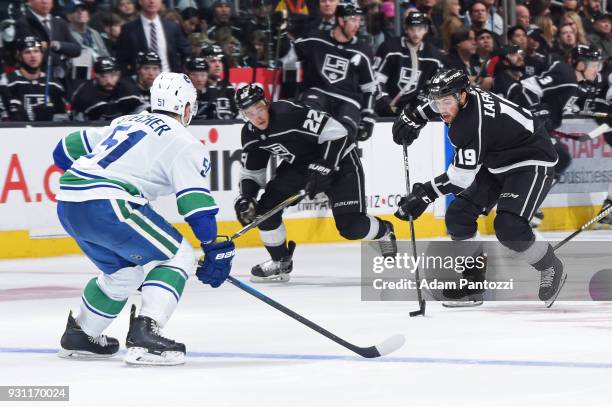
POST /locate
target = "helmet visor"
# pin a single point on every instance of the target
(444, 104)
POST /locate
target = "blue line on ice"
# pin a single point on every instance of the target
(387, 359)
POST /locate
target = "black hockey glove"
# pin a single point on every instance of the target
(246, 209)
(382, 107)
(407, 127)
(320, 177)
(541, 112)
(415, 204)
(366, 127)
(43, 113)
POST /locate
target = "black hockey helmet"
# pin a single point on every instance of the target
(447, 82)
(416, 18)
(248, 95)
(586, 53)
(212, 50)
(105, 64)
(149, 58)
(508, 49)
(28, 42)
(348, 8)
(196, 64)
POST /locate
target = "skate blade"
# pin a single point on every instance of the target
(141, 357)
(552, 299)
(278, 278)
(82, 355)
(461, 304)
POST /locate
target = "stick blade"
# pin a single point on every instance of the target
(391, 344)
(420, 311)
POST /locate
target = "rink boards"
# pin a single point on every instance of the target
(28, 182)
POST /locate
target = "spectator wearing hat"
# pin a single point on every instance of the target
(151, 33)
(535, 61)
(149, 67)
(602, 25)
(220, 91)
(508, 71)
(53, 33)
(108, 96)
(222, 16)
(26, 93)
(89, 39)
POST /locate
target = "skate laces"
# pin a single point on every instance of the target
(156, 330)
(547, 277)
(98, 340)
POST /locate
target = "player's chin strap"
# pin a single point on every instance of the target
(389, 345)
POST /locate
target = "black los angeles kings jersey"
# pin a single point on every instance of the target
(393, 65)
(296, 134)
(494, 133)
(342, 70)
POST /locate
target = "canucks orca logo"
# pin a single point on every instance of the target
(206, 168)
(334, 68)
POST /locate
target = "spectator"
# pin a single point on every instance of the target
(484, 47)
(231, 46)
(508, 72)
(435, 17)
(494, 21)
(602, 25)
(222, 17)
(523, 17)
(539, 8)
(478, 17)
(195, 28)
(517, 35)
(452, 21)
(151, 33)
(149, 67)
(325, 19)
(567, 5)
(108, 96)
(112, 29)
(53, 33)
(372, 31)
(463, 46)
(566, 41)
(588, 8)
(88, 38)
(221, 94)
(26, 93)
(126, 9)
(261, 55)
(535, 61)
(573, 18)
(549, 30)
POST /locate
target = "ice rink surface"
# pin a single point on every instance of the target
(241, 352)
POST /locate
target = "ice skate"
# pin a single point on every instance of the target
(388, 242)
(274, 270)
(551, 282)
(146, 345)
(473, 300)
(466, 297)
(78, 345)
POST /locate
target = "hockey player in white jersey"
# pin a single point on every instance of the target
(103, 203)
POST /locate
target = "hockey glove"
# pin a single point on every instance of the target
(406, 128)
(320, 177)
(366, 127)
(215, 265)
(43, 113)
(246, 209)
(415, 204)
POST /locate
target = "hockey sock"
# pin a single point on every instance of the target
(275, 242)
(377, 230)
(540, 255)
(97, 310)
(161, 292)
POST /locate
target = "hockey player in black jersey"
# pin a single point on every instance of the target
(338, 75)
(197, 70)
(108, 96)
(405, 65)
(23, 91)
(502, 157)
(318, 156)
(220, 93)
(149, 67)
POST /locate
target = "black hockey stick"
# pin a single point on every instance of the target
(604, 212)
(384, 348)
(421, 310)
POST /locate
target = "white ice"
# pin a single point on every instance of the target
(241, 352)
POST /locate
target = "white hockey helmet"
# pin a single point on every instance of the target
(171, 92)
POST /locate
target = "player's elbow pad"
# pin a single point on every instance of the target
(60, 158)
(204, 226)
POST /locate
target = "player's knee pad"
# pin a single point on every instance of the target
(513, 231)
(460, 219)
(564, 161)
(184, 259)
(273, 237)
(122, 283)
(354, 226)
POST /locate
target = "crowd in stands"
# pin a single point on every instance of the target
(95, 60)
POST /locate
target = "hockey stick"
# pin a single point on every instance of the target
(421, 310)
(389, 345)
(605, 212)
